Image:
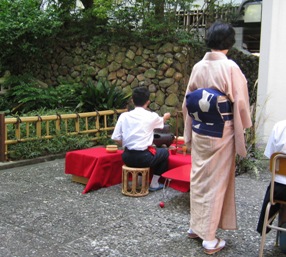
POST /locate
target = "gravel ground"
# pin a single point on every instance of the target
(44, 214)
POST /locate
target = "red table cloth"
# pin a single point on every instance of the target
(178, 159)
(102, 169)
(179, 177)
(105, 169)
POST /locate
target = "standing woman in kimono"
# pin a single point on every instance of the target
(216, 112)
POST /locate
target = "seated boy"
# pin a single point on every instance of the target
(276, 143)
(134, 130)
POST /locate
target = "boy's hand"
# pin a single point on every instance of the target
(166, 116)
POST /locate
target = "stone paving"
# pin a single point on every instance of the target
(44, 214)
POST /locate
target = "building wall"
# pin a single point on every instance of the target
(234, 2)
(271, 98)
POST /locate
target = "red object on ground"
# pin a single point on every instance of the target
(162, 204)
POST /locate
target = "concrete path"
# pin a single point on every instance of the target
(44, 214)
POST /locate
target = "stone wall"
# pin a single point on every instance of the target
(163, 68)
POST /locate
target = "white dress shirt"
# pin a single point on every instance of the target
(277, 143)
(136, 128)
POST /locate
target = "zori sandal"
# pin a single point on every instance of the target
(192, 235)
(219, 245)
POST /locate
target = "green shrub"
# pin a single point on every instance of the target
(102, 96)
(254, 153)
(26, 94)
(68, 95)
(41, 147)
(24, 31)
(5, 104)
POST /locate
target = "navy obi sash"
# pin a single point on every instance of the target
(209, 109)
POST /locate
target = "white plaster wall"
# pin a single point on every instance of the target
(272, 68)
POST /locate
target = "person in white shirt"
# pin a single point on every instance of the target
(134, 130)
(276, 143)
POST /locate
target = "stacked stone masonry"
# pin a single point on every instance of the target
(163, 68)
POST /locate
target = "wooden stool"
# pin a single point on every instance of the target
(134, 188)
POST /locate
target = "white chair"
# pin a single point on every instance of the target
(277, 166)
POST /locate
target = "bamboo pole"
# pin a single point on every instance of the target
(2, 137)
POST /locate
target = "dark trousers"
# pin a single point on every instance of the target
(140, 159)
(279, 194)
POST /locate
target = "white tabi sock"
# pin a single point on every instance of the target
(211, 244)
(155, 181)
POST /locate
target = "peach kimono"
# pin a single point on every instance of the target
(212, 190)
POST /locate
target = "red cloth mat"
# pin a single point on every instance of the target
(180, 177)
(176, 160)
(105, 169)
(101, 168)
